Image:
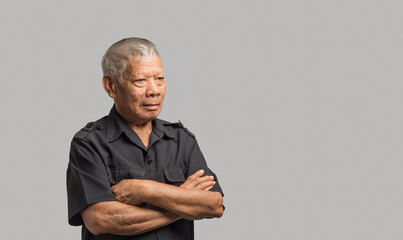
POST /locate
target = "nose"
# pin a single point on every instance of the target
(152, 89)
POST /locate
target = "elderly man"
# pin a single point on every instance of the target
(130, 174)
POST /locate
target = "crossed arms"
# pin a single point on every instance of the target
(191, 201)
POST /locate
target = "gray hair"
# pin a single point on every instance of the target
(114, 61)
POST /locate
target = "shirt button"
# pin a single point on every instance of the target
(149, 161)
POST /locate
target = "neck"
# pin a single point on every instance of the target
(133, 122)
(143, 130)
(140, 126)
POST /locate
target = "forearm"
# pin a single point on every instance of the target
(122, 219)
(188, 203)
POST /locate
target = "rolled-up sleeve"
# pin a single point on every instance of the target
(87, 180)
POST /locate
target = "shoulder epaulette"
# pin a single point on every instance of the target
(179, 124)
(186, 130)
(87, 129)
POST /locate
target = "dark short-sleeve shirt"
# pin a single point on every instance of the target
(107, 151)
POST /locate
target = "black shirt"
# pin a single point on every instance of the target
(107, 151)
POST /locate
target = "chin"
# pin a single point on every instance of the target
(149, 117)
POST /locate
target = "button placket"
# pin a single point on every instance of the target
(150, 165)
(149, 159)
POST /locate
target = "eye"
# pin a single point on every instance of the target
(160, 78)
(138, 81)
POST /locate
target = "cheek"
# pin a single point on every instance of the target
(135, 94)
(163, 90)
(130, 98)
(135, 99)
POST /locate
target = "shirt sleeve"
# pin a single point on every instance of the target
(87, 180)
(197, 162)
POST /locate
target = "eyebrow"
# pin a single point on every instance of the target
(159, 73)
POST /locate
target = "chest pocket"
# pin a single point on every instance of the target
(174, 175)
(117, 175)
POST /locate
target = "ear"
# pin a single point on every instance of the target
(109, 84)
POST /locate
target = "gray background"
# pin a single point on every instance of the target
(296, 105)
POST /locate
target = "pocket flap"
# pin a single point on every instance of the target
(174, 174)
(118, 175)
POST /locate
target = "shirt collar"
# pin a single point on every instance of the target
(160, 128)
(116, 125)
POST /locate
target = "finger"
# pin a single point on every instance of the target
(205, 179)
(205, 185)
(192, 180)
(186, 183)
(197, 174)
(196, 179)
(207, 189)
(201, 181)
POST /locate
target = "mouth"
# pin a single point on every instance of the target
(151, 106)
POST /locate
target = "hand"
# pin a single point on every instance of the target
(130, 191)
(196, 181)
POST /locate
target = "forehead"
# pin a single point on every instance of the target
(144, 66)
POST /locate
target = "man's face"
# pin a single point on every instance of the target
(140, 94)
